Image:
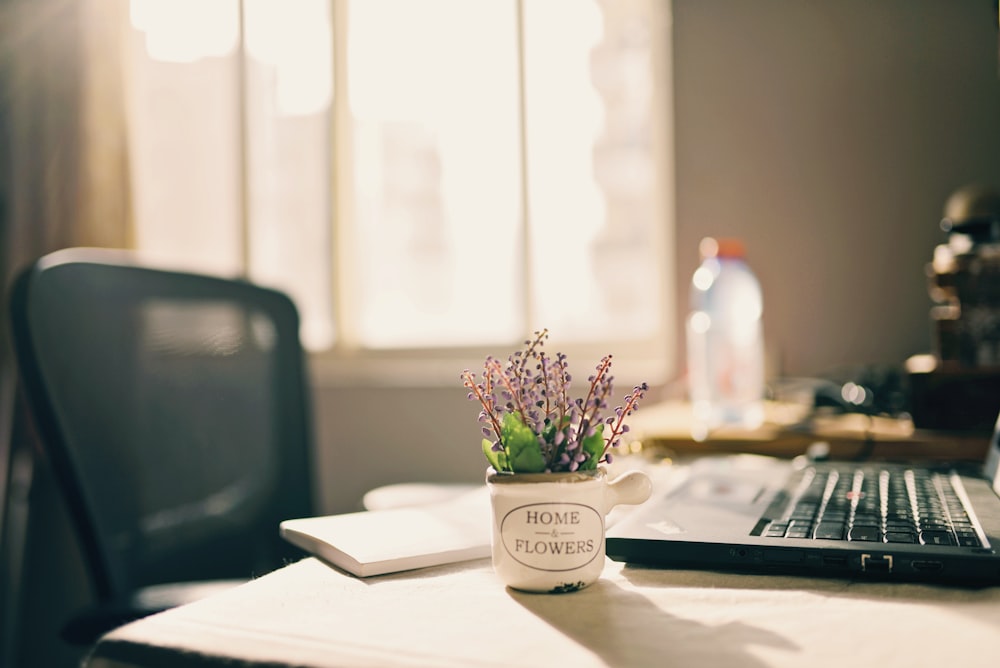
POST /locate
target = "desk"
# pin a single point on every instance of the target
(310, 614)
(664, 429)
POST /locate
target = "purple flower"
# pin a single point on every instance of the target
(535, 389)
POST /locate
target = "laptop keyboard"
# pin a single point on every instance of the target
(874, 505)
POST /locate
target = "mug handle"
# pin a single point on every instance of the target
(631, 488)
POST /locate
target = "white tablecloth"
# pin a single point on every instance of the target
(310, 614)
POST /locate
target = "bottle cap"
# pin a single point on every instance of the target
(721, 247)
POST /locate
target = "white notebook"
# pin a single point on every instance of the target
(375, 542)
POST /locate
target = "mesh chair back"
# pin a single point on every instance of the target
(174, 410)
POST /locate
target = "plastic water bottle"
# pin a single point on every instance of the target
(725, 343)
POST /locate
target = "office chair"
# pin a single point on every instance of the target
(174, 411)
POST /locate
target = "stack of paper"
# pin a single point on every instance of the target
(375, 542)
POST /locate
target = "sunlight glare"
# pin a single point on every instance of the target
(296, 39)
(437, 180)
(186, 31)
(703, 278)
(565, 120)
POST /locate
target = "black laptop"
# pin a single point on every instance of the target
(889, 521)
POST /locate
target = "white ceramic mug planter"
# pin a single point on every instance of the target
(548, 528)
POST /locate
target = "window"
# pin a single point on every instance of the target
(418, 174)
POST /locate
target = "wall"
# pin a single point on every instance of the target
(828, 135)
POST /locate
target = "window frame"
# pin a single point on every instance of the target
(349, 363)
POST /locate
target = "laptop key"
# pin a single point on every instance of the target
(899, 526)
(829, 531)
(865, 533)
(936, 538)
(900, 537)
(799, 527)
(775, 530)
(969, 541)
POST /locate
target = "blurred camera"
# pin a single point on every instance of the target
(957, 387)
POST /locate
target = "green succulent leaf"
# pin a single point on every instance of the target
(593, 445)
(498, 460)
(523, 452)
(549, 432)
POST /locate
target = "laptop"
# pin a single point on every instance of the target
(844, 519)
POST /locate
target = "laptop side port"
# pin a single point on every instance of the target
(881, 563)
(927, 566)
